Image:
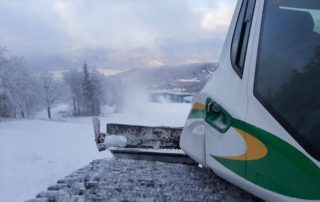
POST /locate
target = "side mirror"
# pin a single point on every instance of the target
(217, 117)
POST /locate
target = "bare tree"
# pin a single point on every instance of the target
(17, 87)
(50, 91)
(74, 80)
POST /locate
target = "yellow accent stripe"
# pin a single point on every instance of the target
(198, 106)
(255, 148)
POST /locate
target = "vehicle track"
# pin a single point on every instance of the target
(134, 180)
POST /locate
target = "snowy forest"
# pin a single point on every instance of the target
(86, 90)
(22, 93)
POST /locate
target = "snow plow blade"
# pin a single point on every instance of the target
(134, 136)
(141, 142)
(163, 155)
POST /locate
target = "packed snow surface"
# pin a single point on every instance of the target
(35, 153)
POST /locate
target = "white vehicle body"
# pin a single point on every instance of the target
(234, 132)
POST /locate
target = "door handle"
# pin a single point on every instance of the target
(217, 117)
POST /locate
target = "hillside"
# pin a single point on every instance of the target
(189, 78)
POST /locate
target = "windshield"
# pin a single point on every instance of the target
(288, 68)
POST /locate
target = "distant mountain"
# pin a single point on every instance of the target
(104, 58)
(189, 78)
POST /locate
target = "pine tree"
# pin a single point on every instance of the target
(91, 89)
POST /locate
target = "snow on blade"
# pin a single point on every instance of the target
(115, 141)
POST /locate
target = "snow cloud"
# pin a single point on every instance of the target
(216, 19)
(164, 32)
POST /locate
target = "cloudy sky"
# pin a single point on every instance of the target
(114, 33)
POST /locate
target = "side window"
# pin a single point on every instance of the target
(287, 79)
(241, 36)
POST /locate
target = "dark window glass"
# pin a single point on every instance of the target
(287, 79)
(241, 36)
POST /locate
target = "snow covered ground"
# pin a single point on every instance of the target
(36, 153)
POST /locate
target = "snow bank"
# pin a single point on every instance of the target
(34, 154)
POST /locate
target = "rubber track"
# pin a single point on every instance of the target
(133, 180)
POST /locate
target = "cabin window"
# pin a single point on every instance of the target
(287, 80)
(241, 36)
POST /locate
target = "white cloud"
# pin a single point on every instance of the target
(215, 16)
(155, 32)
(213, 20)
(69, 21)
